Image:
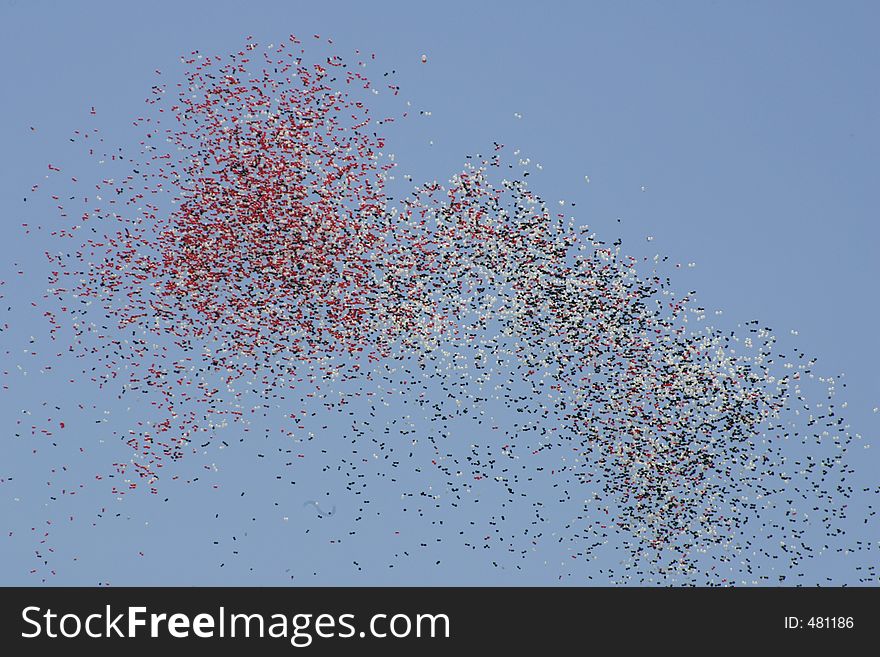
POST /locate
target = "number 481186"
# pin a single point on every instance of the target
(830, 622)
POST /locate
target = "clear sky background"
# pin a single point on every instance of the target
(743, 136)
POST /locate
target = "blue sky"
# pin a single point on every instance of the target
(742, 136)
